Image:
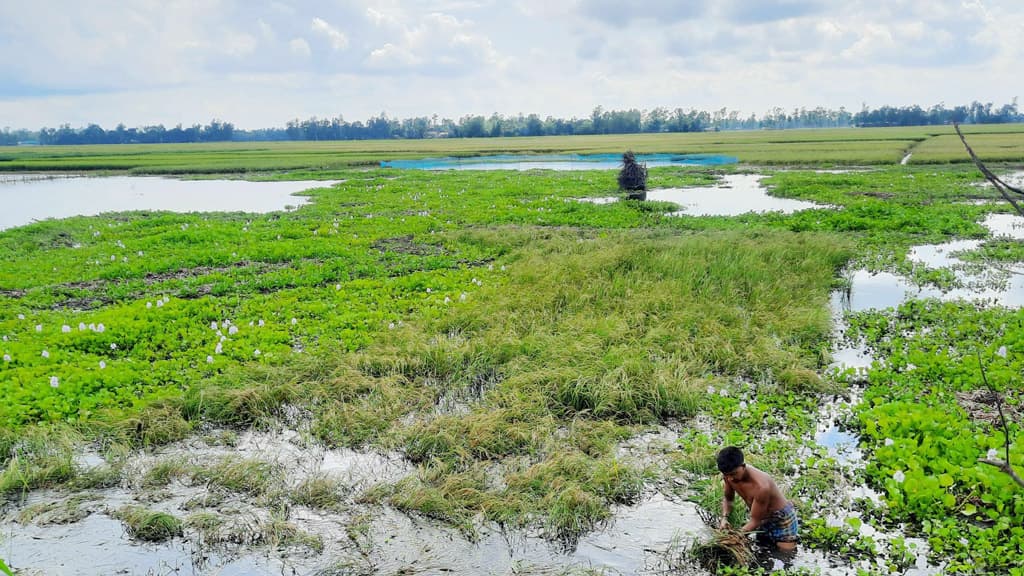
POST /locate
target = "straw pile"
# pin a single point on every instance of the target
(727, 547)
(633, 176)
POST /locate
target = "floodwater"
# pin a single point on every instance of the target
(735, 194)
(31, 198)
(556, 161)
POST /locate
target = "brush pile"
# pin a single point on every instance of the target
(727, 546)
(633, 177)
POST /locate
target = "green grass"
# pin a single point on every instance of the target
(811, 146)
(149, 525)
(499, 334)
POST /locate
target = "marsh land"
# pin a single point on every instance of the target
(516, 371)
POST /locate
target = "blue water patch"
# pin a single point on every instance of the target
(556, 161)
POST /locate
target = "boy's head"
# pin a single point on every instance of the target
(730, 459)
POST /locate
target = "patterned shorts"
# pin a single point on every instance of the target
(782, 525)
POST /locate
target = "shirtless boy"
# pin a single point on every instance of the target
(771, 515)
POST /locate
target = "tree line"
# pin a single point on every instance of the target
(600, 121)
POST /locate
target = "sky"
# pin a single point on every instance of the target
(261, 63)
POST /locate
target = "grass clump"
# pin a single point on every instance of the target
(244, 476)
(148, 525)
(319, 491)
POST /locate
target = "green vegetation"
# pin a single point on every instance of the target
(505, 338)
(148, 525)
(839, 146)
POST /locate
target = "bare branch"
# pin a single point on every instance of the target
(1003, 188)
(1004, 467)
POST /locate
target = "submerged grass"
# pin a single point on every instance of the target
(148, 525)
(497, 332)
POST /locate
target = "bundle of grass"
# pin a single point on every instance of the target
(633, 177)
(727, 546)
(148, 525)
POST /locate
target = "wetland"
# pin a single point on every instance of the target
(475, 372)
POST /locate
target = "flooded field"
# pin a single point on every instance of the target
(285, 496)
(31, 198)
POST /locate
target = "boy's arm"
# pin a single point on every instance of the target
(727, 499)
(758, 514)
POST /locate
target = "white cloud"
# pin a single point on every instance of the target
(262, 62)
(337, 38)
(300, 47)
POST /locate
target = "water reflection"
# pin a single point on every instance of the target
(29, 199)
(736, 194)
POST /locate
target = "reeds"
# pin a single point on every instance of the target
(728, 546)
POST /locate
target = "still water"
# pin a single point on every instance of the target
(28, 199)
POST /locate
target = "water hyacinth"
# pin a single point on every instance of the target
(54, 382)
(102, 364)
(898, 476)
(1001, 352)
(447, 300)
(462, 297)
(149, 304)
(213, 325)
(7, 357)
(233, 330)
(295, 321)
(256, 352)
(21, 316)
(101, 328)
(45, 354)
(992, 453)
(260, 323)
(113, 346)
(39, 327)
(65, 329)
(81, 326)
(159, 303)
(219, 349)
(209, 359)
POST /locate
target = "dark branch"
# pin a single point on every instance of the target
(1003, 188)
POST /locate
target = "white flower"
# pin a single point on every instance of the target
(92, 327)
(736, 414)
(45, 354)
(81, 325)
(898, 476)
(295, 321)
(100, 327)
(490, 266)
(1001, 351)
(743, 404)
(65, 329)
(7, 357)
(337, 286)
(233, 330)
(113, 346)
(778, 565)
(723, 392)
(140, 252)
(54, 382)
(213, 325)
(219, 349)
(964, 542)
(447, 299)
(112, 257)
(5, 337)
(992, 453)
(167, 299)
(209, 359)
(149, 304)
(889, 442)
(225, 323)
(251, 323)
(39, 327)
(260, 323)
(391, 326)
(502, 267)
(102, 364)
(711, 389)
(21, 316)
(256, 352)
(462, 297)
(428, 290)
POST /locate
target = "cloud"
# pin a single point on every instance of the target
(300, 47)
(621, 15)
(336, 37)
(744, 12)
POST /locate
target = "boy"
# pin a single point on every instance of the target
(771, 514)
